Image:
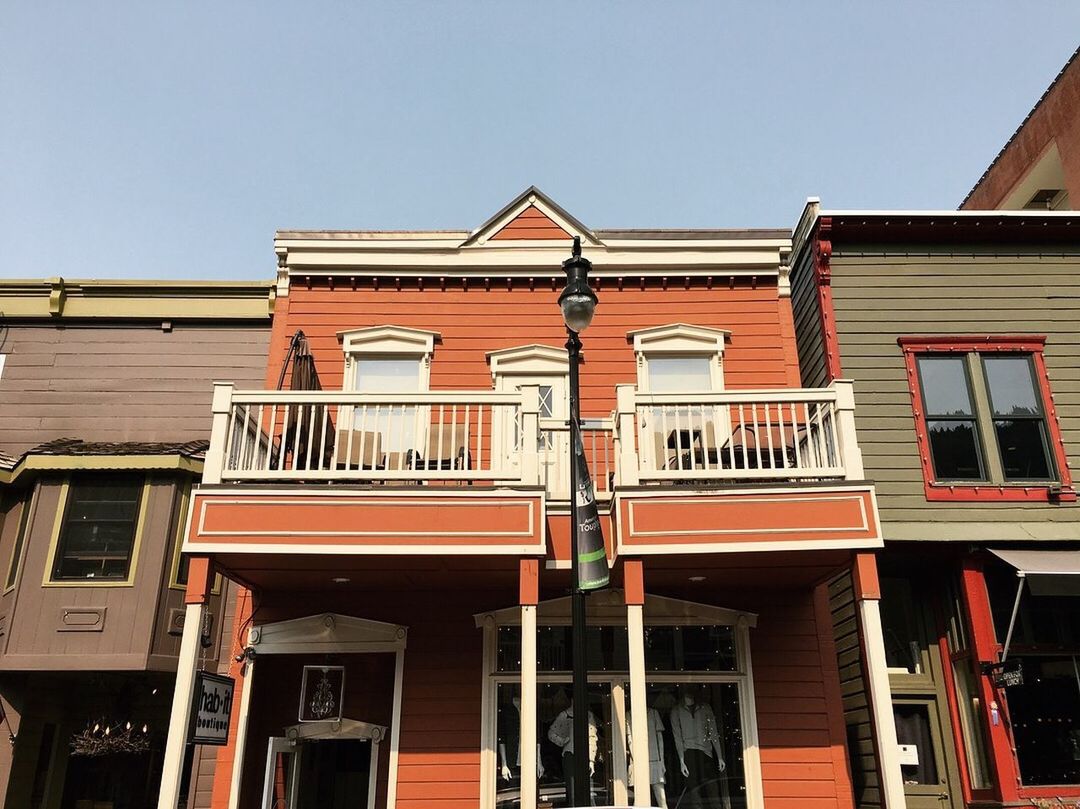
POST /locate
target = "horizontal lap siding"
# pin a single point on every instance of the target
(799, 717)
(806, 310)
(845, 627)
(878, 300)
(475, 322)
(112, 383)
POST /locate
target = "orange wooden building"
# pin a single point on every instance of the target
(400, 521)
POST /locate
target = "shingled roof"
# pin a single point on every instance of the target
(76, 446)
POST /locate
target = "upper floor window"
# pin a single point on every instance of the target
(387, 359)
(678, 357)
(99, 530)
(984, 421)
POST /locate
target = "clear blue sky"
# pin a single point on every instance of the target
(170, 139)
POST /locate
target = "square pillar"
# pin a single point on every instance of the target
(634, 589)
(868, 600)
(528, 596)
(200, 581)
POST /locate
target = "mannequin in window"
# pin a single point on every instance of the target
(697, 742)
(656, 755)
(561, 734)
(510, 742)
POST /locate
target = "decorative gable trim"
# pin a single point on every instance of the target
(531, 197)
(534, 360)
(679, 338)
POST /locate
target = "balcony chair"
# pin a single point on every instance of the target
(365, 451)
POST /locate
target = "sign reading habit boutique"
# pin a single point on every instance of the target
(211, 709)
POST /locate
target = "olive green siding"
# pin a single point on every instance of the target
(860, 735)
(878, 299)
(807, 315)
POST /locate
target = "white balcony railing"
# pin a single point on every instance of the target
(743, 435)
(474, 437)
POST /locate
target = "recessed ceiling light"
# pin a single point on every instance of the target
(340, 580)
(697, 578)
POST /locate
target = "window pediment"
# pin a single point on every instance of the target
(679, 338)
(388, 340)
(531, 360)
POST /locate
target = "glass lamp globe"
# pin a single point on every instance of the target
(578, 308)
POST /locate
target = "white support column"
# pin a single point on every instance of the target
(241, 733)
(881, 703)
(639, 720)
(395, 729)
(220, 407)
(850, 453)
(173, 761)
(626, 464)
(528, 749)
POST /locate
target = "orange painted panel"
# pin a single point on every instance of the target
(768, 520)
(532, 223)
(474, 318)
(362, 523)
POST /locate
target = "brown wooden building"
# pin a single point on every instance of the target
(104, 401)
(1039, 167)
(959, 330)
(403, 525)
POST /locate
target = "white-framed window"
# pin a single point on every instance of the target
(385, 360)
(679, 357)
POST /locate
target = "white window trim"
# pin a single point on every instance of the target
(384, 342)
(680, 340)
(528, 360)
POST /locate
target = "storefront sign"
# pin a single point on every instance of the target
(1007, 673)
(211, 709)
(321, 693)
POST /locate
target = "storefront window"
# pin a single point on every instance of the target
(972, 723)
(1045, 712)
(1045, 708)
(903, 649)
(695, 732)
(695, 745)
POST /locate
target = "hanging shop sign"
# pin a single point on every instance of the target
(322, 691)
(1006, 673)
(211, 709)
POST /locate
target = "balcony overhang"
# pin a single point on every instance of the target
(676, 520)
(372, 521)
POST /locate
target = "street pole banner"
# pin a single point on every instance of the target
(593, 570)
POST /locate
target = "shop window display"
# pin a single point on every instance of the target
(695, 734)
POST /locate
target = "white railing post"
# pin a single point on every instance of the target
(626, 464)
(530, 435)
(850, 453)
(221, 407)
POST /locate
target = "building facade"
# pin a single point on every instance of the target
(959, 332)
(1039, 167)
(105, 389)
(399, 517)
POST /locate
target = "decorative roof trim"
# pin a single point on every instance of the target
(531, 196)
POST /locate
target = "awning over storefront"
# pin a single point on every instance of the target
(1047, 573)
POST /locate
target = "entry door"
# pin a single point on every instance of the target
(922, 753)
(282, 774)
(554, 445)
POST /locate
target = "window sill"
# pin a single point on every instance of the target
(1011, 493)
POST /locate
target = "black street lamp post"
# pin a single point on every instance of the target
(578, 303)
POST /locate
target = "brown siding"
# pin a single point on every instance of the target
(33, 641)
(879, 299)
(807, 312)
(120, 383)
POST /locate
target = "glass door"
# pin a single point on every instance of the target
(282, 771)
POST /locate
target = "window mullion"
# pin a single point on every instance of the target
(995, 470)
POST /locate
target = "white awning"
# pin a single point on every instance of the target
(1047, 572)
(1042, 563)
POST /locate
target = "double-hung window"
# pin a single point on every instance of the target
(985, 426)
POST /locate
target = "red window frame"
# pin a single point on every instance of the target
(1056, 491)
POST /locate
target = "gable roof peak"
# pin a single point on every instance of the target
(553, 219)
